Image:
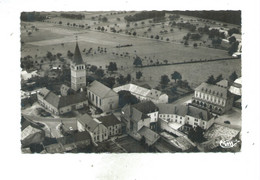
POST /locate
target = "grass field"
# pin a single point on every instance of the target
(50, 37)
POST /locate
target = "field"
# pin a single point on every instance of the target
(56, 38)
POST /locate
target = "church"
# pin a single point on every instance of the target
(97, 94)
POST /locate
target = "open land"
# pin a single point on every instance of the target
(51, 35)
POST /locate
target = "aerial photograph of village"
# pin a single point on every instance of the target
(130, 81)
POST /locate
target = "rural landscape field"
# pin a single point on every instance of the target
(57, 35)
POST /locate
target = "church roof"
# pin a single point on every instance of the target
(77, 58)
(101, 90)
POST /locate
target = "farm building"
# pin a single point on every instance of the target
(144, 94)
(61, 104)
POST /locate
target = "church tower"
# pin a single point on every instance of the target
(78, 70)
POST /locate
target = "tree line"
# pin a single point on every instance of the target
(73, 16)
(233, 17)
(32, 16)
(144, 15)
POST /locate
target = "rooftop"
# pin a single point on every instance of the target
(109, 120)
(77, 58)
(146, 107)
(150, 136)
(101, 90)
(212, 89)
(88, 121)
(62, 101)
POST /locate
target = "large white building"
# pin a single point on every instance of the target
(215, 98)
(144, 94)
(102, 96)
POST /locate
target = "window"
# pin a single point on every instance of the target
(92, 97)
(180, 117)
(196, 120)
(188, 118)
(96, 100)
(99, 102)
(203, 123)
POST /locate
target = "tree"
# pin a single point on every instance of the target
(196, 135)
(138, 61)
(176, 75)
(110, 81)
(112, 67)
(138, 75)
(233, 76)
(195, 45)
(232, 39)
(121, 79)
(125, 97)
(186, 43)
(211, 80)
(134, 33)
(165, 61)
(100, 73)
(93, 68)
(157, 37)
(164, 80)
(104, 19)
(128, 78)
(233, 48)
(219, 78)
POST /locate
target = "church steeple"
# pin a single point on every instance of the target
(78, 70)
(77, 58)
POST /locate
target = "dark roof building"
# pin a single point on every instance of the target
(109, 120)
(146, 107)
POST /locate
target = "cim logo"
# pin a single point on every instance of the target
(228, 143)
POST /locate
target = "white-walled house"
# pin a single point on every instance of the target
(113, 125)
(96, 129)
(185, 115)
(102, 96)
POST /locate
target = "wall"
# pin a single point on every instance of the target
(153, 116)
(141, 123)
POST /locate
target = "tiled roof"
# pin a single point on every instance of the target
(63, 101)
(166, 108)
(88, 121)
(81, 136)
(199, 113)
(109, 120)
(150, 136)
(133, 114)
(77, 58)
(223, 83)
(212, 89)
(146, 107)
(72, 99)
(101, 90)
(43, 92)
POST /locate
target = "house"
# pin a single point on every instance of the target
(134, 119)
(177, 117)
(149, 135)
(64, 90)
(102, 96)
(113, 125)
(151, 110)
(215, 98)
(26, 76)
(70, 143)
(97, 130)
(144, 94)
(61, 104)
(236, 87)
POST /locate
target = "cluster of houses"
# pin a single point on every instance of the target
(151, 119)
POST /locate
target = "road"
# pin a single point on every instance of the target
(52, 124)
